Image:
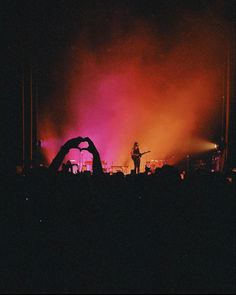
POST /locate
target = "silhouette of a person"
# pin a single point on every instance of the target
(136, 155)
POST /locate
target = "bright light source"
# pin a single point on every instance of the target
(202, 145)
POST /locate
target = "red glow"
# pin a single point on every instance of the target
(133, 89)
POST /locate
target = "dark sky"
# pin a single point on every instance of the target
(39, 33)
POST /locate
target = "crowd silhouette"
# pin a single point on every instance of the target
(100, 233)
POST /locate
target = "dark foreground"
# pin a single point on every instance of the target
(116, 234)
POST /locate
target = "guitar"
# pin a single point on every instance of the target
(134, 156)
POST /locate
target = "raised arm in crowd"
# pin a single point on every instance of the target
(74, 144)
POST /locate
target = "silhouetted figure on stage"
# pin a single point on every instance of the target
(74, 144)
(136, 155)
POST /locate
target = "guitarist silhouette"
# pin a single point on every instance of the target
(136, 156)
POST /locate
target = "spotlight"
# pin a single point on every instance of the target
(208, 146)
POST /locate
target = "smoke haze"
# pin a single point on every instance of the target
(136, 82)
